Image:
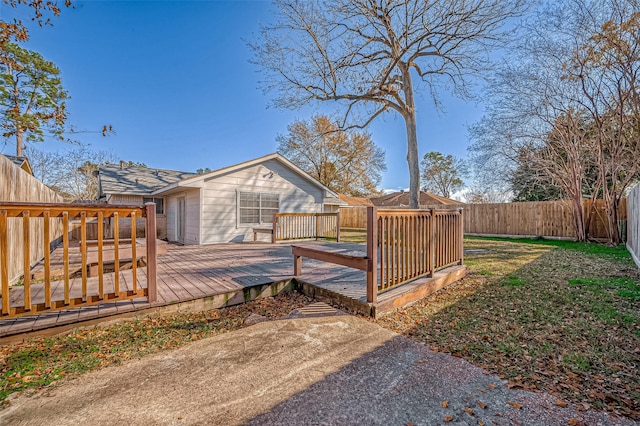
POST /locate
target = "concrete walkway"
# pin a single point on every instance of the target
(327, 369)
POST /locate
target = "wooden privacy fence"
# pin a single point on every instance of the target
(45, 214)
(402, 245)
(353, 217)
(296, 226)
(17, 185)
(633, 223)
(539, 218)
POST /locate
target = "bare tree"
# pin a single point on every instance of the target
(70, 172)
(348, 162)
(371, 56)
(607, 69)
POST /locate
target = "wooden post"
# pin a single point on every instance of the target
(274, 229)
(116, 253)
(65, 255)
(4, 262)
(432, 243)
(317, 226)
(372, 255)
(100, 256)
(134, 254)
(461, 238)
(297, 265)
(338, 225)
(83, 251)
(47, 259)
(26, 260)
(152, 255)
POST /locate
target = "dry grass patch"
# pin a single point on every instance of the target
(555, 316)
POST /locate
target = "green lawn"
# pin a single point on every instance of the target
(557, 316)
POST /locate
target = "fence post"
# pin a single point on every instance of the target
(152, 259)
(317, 225)
(372, 255)
(338, 225)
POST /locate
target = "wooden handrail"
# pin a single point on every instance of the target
(73, 210)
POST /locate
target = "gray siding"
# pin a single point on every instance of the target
(219, 199)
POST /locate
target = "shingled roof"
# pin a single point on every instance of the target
(401, 199)
(355, 201)
(136, 180)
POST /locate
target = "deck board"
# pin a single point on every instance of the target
(187, 273)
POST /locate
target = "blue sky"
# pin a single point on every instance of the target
(175, 82)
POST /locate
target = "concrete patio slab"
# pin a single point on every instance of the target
(316, 368)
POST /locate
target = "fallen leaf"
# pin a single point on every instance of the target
(409, 424)
(491, 385)
(444, 404)
(574, 422)
(447, 419)
(482, 405)
(480, 423)
(469, 411)
(561, 403)
(515, 405)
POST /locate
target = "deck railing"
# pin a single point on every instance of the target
(416, 243)
(296, 226)
(29, 213)
(401, 245)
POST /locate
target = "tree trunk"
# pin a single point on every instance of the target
(412, 159)
(412, 139)
(19, 144)
(612, 215)
(578, 217)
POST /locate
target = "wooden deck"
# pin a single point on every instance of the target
(213, 276)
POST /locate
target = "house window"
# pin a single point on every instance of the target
(257, 207)
(159, 203)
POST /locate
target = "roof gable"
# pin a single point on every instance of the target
(194, 180)
(21, 162)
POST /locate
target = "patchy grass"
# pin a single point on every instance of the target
(42, 361)
(557, 316)
(353, 236)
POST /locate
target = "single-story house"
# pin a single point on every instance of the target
(401, 199)
(220, 206)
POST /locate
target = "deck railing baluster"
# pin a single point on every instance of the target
(134, 257)
(100, 256)
(26, 261)
(116, 254)
(47, 258)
